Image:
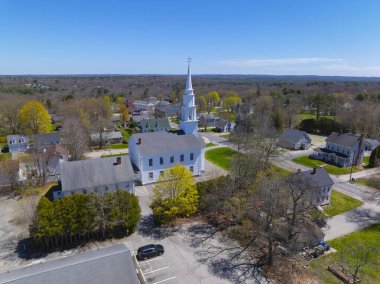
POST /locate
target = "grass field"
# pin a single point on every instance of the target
(371, 181)
(308, 162)
(303, 116)
(341, 203)
(221, 157)
(210, 145)
(369, 237)
(119, 146)
(114, 155)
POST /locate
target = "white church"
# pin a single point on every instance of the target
(151, 153)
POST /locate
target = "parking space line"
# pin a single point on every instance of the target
(146, 261)
(164, 280)
(156, 270)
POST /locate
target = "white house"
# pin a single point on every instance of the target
(152, 153)
(96, 175)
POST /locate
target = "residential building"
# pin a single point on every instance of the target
(154, 125)
(153, 152)
(295, 139)
(320, 184)
(209, 119)
(112, 264)
(18, 143)
(342, 150)
(223, 125)
(170, 110)
(45, 140)
(94, 175)
(113, 137)
(371, 144)
(146, 105)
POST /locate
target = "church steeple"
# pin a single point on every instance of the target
(189, 122)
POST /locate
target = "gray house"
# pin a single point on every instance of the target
(45, 140)
(320, 183)
(371, 144)
(342, 150)
(94, 175)
(18, 143)
(223, 125)
(113, 137)
(210, 119)
(112, 264)
(294, 139)
(154, 125)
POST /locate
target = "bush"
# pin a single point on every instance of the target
(309, 125)
(374, 159)
(80, 217)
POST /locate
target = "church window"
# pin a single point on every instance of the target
(191, 156)
(182, 157)
(172, 159)
(150, 162)
(151, 175)
(161, 161)
(191, 168)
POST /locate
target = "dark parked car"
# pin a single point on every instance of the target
(149, 251)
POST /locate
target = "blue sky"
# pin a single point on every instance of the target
(324, 37)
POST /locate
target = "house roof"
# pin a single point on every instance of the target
(347, 139)
(95, 172)
(318, 179)
(221, 123)
(17, 138)
(154, 123)
(154, 143)
(107, 135)
(111, 264)
(57, 149)
(46, 138)
(294, 135)
(373, 142)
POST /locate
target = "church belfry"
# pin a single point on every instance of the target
(189, 122)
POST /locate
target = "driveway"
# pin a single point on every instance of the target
(188, 250)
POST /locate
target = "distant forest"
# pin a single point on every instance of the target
(162, 86)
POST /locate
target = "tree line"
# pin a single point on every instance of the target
(82, 217)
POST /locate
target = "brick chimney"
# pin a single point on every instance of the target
(138, 141)
(118, 161)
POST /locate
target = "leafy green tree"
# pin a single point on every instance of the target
(309, 125)
(34, 118)
(231, 101)
(175, 195)
(374, 159)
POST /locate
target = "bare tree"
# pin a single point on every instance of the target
(74, 137)
(9, 113)
(10, 171)
(356, 256)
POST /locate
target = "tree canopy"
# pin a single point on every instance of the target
(34, 118)
(174, 195)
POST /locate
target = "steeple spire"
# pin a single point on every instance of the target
(189, 85)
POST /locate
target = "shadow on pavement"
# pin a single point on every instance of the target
(147, 228)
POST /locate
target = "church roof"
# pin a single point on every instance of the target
(155, 143)
(154, 123)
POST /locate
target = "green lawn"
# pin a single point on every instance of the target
(303, 116)
(221, 157)
(308, 162)
(114, 155)
(119, 146)
(369, 236)
(5, 156)
(371, 181)
(227, 136)
(341, 203)
(280, 170)
(210, 145)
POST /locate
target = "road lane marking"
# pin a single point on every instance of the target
(156, 270)
(164, 280)
(153, 259)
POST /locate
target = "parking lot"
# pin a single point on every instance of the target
(157, 270)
